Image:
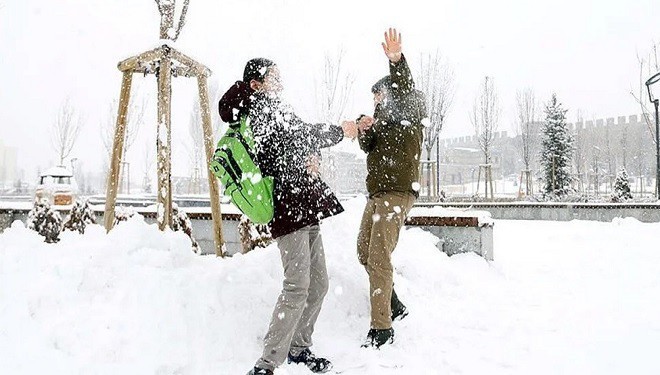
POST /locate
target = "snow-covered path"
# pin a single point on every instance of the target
(560, 298)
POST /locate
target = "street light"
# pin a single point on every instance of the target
(655, 99)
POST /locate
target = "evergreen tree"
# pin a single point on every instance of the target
(556, 151)
(621, 187)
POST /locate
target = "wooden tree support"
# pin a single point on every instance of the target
(488, 180)
(525, 180)
(165, 62)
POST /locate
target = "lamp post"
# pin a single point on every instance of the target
(656, 101)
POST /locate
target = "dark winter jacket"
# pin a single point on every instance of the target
(393, 144)
(284, 144)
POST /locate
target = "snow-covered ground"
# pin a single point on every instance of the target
(560, 298)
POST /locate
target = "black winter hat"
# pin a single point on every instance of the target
(256, 69)
(235, 102)
(383, 83)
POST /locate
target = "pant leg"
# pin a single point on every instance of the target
(295, 253)
(364, 235)
(318, 288)
(390, 212)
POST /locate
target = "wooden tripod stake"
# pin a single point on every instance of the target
(165, 62)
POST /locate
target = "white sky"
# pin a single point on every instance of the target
(50, 50)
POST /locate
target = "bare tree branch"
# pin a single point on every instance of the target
(436, 81)
(485, 117)
(182, 19)
(526, 124)
(335, 89)
(65, 131)
(647, 66)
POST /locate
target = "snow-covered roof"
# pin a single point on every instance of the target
(57, 171)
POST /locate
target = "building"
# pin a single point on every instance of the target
(8, 167)
(601, 148)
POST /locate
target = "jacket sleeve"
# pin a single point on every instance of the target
(325, 135)
(367, 140)
(316, 136)
(402, 80)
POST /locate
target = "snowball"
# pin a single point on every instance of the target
(375, 217)
(416, 186)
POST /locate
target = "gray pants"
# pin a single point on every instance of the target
(305, 285)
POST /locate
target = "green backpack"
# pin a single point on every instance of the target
(234, 164)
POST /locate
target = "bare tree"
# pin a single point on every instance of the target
(485, 116)
(528, 132)
(134, 120)
(167, 10)
(197, 151)
(580, 148)
(148, 161)
(334, 90)
(436, 81)
(648, 65)
(65, 131)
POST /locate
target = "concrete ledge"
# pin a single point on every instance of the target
(459, 230)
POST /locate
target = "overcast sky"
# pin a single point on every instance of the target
(583, 50)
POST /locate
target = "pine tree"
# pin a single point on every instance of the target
(621, 187)
(556, 151)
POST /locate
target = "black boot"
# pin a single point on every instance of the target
(314, 364)
(399, 310)
(379, 337)
(260, 371)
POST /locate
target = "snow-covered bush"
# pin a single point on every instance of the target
(253, 235)
(181, 222)
(123, 214)
(621, 191)
(45, 221)
(81, 215)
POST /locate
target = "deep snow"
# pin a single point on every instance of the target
(560, 298)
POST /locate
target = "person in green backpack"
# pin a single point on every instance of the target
(288, 150)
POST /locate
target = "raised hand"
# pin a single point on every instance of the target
(365, 123)
(350, 129)
(392, 45)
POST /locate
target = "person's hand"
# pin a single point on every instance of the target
(392, 45)
(350, 129)
(314, 165)
(365, 123)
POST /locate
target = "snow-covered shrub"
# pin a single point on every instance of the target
(181, 222)
(123, 214)
(45, 221)
(81, 215)
(253, 235)
(621, 191)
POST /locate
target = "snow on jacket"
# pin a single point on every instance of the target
(284, 145)
(393, 144)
